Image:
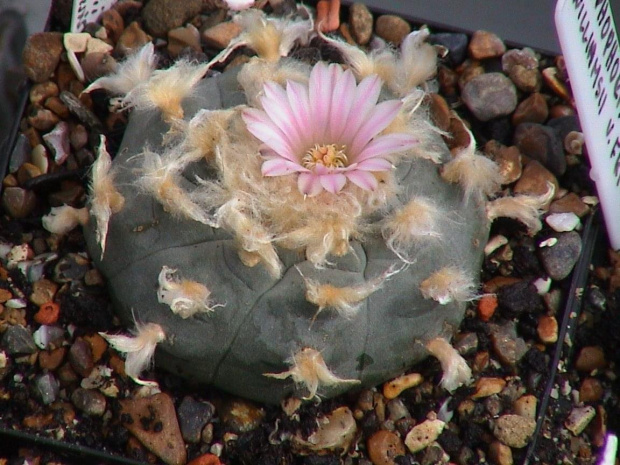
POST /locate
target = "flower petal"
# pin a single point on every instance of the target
(366, 96)
(320, 87)
(279, 167)
(342, 100)
(333, 182)
(382, 115)
(363, 179)
(276, 104)
(374, 164)
(299, 102)
(261, 127)
(385, 145)
(309, 184)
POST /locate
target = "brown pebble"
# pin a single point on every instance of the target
(554, 81)
(132, 39)
(557, 111)
(533, 109)
(42, 91)
(527, 80)
(591, 390)
(43, 119)
(547, 329)
(489, 96)
(392, 28)
(590, 358)
(52, 359)
(97, 64)
(481, 361)
(154, 422)
(383, 447)
(55, 104)
(534, 180)
(182, 38)
(598, 427)
(525, 57)
(64, 76)
(469, 69)
(570, 203)
(507, 158)
(27, 172)
(240, 416)
(360, 21)
(113, 22)
(98, 345)
(525, 406)
(17, 202)
(38, 421)
(448, 80)
(440, 111)
(41, 55)
(89, 401)
(485, 44)
(206, 459)
(487, 386)
(78, 137)
(220, 35)
(500, 454)
(81, 357)
(66, 375)
(162, 15)
(93, 277)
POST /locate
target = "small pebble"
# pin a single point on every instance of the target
(153, 421)
(534, 179)
(525, 57)
(383, 447)
(533, 109)
(466, 343)
(392, 28)
(182, 38)
(563, 222)
(205, 459)
(487, 306)
(335, 431)
(41, 55)
(43, 119)
(89, 401)
(360, 23)
(590, 358)
(579, 418)
(485, 44)
(193, 416)
(518, 298)
(487, 386)
(455, 43)
(81, 358)
(543, 144)
(570, 203)
(160, 16)
(17, 340)
(560, 259)
(47, 388)
(40, 92)
(591, 390)
(543, 284)
(219, 36)
(508, 347)
(526, 80)
(397, 410)
(500, 454)
(48, 313)
(113, 22)
(393, 388)
(514, 430)
(547, 329)
(51, 360)
(525, 406)
(132, 39)
(71, 267)
(423, 435)
(489, 96)
(240, 416)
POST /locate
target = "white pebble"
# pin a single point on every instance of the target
(562, 222)
(549, 242)
(542, 285)
(423, 435)
(495, 243)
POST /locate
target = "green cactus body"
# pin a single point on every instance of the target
(259, 317)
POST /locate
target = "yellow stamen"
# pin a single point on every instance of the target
(327, 155)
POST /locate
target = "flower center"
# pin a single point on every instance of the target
(328, 155)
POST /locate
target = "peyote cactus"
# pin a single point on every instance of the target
(273, 230)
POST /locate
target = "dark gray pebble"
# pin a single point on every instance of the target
(560, 259)
(541, 143)
(515, 299)
(193, 416)
(17, 340)
(456, 44)
(46, 387)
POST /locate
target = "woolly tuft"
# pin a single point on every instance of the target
(61, 220)
(524, 208)
(410, 225)
(456, 372)
(138, 349)
(134, 71)
(184, 297)
(309, 370)
(449, 284)
(104, 197)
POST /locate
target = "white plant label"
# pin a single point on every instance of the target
(589, 42)
(88, 11)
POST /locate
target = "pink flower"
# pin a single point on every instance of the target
(328, 131)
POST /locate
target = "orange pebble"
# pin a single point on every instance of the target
(206, 459)
(486, 306)
(328, 15)
(48, 313)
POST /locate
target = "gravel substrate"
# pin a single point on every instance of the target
(60, 382)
